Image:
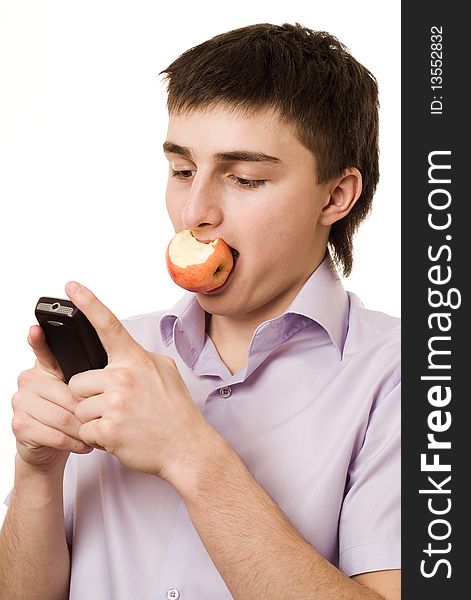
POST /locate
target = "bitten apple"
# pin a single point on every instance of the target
(198, 266)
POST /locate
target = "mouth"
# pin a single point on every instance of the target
(235, 253)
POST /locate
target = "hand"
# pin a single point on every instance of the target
(44, 421)
(138, 407)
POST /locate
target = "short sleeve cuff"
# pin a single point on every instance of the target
(370, 557)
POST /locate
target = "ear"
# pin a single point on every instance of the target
(344, 192)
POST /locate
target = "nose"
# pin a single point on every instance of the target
(202, 209)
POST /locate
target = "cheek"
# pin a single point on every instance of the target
(174, 207)
(282, 237)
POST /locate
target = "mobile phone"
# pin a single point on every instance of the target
(70, 336)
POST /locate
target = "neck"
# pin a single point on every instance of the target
(232, 334)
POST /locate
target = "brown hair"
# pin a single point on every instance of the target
(313, 82)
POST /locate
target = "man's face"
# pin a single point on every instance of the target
(248, 180)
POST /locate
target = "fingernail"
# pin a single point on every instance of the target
(72, 287)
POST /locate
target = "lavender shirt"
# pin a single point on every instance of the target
(315, 416)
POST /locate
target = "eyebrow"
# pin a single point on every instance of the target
(231, 156)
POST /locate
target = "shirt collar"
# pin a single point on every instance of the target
(185, 325)
(322, 300)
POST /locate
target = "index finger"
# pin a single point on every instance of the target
(115, 339)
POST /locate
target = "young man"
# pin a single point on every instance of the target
(251, 434)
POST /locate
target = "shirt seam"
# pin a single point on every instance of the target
(384, 392)
(395, 540)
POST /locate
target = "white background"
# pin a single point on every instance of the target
(82, 174)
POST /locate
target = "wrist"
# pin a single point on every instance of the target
(204, 466)
(40, 484)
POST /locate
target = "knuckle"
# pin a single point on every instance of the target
(25, 377)
(79, 413)
(65, 419)
(116, 400)
(123, 377)
(73, 393)
(166, 367)
(73, 383)
(168, 361)
(111, 323)
(18, 423)
(17, 400)
(69, 398)
(107, 429)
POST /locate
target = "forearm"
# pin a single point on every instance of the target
(256, 550)
(34, 555)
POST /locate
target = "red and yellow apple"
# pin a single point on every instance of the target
(198, 266)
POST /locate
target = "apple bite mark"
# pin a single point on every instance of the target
(198, 266)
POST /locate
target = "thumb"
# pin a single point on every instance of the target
(45, 360)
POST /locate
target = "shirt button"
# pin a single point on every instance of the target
(173, 594)
(225, 392)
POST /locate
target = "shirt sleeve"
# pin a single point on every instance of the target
(69, 485)
(370, 520)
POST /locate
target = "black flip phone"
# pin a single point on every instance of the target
(70, 336)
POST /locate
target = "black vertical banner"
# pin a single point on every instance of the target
(436, 447)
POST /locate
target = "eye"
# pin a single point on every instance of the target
(183, 174)
(247, 183)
